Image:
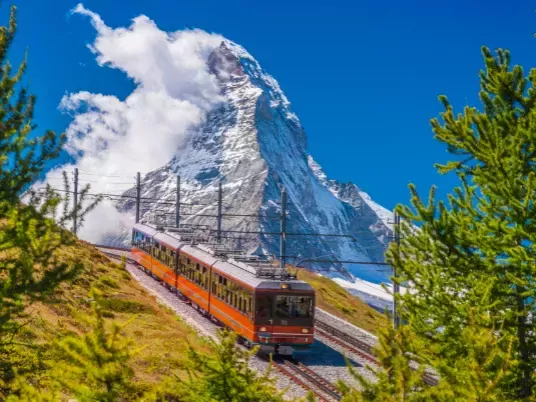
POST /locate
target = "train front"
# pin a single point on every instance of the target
(284, 316)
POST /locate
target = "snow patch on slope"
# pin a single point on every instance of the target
(386, 216)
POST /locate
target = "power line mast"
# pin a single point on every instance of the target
(75, 199)
(138, 196)
(178, 203)
(220, 215)
(283, 234)
(396, 286)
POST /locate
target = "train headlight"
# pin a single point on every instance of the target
(262, 329)
(284, 286)
(305, 330)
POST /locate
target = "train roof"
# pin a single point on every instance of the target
(250, 278)
(199, 254)
(170, 241)
(253, 273)
(145, 229)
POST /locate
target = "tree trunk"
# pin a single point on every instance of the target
(526, 372)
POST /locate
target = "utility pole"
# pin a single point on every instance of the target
(178, 203)
(138, 196)
(220, 215)
(396, 286)
(283, 234)
(75, 211)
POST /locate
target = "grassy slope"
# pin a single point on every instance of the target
(154, 327)
(339, 302)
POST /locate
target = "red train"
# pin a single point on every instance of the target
(265, 307)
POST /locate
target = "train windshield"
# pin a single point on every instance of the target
(293, 306)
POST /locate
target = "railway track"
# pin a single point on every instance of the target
(118, 257)
(356, 346)
(307, 379)
(335, 335)
(346, 341)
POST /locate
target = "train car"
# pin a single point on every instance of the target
(273, 311)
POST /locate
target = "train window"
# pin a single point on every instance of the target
(293, 306)
(263, 305)
(173, 260)
(204, 270)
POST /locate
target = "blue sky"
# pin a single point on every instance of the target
(363, 76)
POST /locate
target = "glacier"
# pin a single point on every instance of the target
(255, 145)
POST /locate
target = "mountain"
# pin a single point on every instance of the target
(255, 145)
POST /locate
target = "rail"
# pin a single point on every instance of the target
(119, 257)
(313, 383)
(319, 381)
(357, 346)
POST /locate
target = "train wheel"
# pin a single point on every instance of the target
(244, 342)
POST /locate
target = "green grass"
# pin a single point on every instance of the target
(154, 328)
(126, 306)
(106, 281)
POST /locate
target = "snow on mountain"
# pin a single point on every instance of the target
(254, 143)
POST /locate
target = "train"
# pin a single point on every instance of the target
(264, 304)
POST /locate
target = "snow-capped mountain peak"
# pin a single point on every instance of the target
(255, 144)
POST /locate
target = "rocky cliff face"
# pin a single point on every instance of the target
(256, 145)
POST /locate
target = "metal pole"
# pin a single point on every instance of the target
(220, 215)
(178, 205)
(138, 196)
(75, 211)
(396, 286)
(283, 234)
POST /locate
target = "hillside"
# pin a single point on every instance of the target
(151, 326)
(338, 301)
(161, 335)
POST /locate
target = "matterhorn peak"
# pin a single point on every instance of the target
(224, 63)
(255, 145)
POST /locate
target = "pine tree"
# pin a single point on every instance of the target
(30, 270)
(399, 377)
(224, 375)
(480, 249)
(22, 391)
(403, 357)
(95, 366)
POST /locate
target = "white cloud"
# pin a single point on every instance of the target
(173, 91)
